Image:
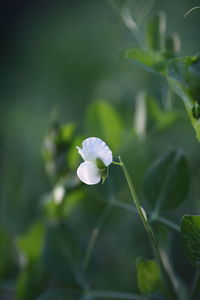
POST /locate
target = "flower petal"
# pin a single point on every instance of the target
(81, 152)
(94, 148)
(89, 173)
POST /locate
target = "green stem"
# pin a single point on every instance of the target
(168, 223)
(189, 11)
(161, 220)
(127, 18)
(150, 233)
(195, 287)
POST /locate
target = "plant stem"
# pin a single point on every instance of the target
(150, 233)
(161, 220)
(168, 223)
(195, 287)
(188, 12)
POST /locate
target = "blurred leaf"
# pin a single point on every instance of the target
(63, 295)
(50, 206)
(66, 132)
(32, 242)
(163, 118)
(33, 277)
(184, 78)
(148, 276)
(8, 261)
(31, 281)
(57, 206)
(173, 43)
(71, 200)
(190, 235)
(104, 122)
(155, 33)
(150, 60)
(167, 181)
(63, 254)
(56, 148)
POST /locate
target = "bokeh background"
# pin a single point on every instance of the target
(58, 58)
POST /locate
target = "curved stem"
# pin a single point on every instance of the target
(195, 287)
(189, 11)
(126, 16)
(150, 233)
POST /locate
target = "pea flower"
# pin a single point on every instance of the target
(97, 157)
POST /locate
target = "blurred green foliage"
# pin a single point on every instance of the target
(58, 60)
(149, 277)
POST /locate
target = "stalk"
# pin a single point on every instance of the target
(152, 238)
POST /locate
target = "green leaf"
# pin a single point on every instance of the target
(55, 206)
(162, 118)
(190, 235)
(57, 150)
(153, 61)
(31, 281)
(166, 182)
(63, 295)
(184, 78)
(33, 277)
(155, 33)
(104, 122)
(148, 276)
(31, 243)
(70, 202)
(173, 43)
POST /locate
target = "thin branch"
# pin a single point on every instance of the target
(159, 219)
(189, 11)
(151, 235)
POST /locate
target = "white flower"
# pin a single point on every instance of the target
(97, 157)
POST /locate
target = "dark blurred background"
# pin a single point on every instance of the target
(56, 58)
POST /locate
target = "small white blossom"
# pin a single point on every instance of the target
(97, 157)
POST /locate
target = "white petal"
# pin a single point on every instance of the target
(89, 173)
(81, 152)
(94, 148)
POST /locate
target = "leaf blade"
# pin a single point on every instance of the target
(190, 235)
(148, 276)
